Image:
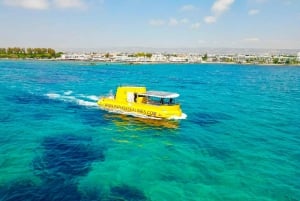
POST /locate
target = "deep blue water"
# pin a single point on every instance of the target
(240, 141)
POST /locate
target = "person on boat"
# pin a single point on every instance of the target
(162, 101)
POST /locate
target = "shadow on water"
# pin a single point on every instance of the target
(116, 193)
(125, 121)
(208, 119)
(51, 191)
(125, 192)
(68, 155)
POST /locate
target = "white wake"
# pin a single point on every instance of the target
(80, 99)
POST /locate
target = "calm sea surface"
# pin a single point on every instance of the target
(240, 140)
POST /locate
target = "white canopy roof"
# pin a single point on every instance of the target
(160, 94)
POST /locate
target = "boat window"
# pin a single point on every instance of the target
(154, 100)
(172, 101)
(161, 101)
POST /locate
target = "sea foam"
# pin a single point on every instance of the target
(77, 99)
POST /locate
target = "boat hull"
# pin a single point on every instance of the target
(154, 111)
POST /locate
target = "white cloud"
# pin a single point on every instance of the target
(69, 3)
(173, 22)
(196, 25)
(188, 7)
(253, 12)
(251, 40)
(210, 19)
(28, 4)
(218, 8)
(156, 22)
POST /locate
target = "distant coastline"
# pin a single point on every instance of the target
(90, 63)
(49, 54)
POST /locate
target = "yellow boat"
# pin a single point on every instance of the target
(137, 101)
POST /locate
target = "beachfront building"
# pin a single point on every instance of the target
(225, 58)
(158, 58)
(101, 58)
(212, 58)
(194, 58)
(122, 58)
(241, 58)
(75, 56)
(178, 59)
(251, 58)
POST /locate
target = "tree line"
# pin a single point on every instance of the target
(34, 53)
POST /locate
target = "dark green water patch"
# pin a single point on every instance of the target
(50, 191)
(69, 155)
(127, 193)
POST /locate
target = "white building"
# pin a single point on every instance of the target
(178, 59)
(158, 58)
(75, 56)
(194, 59)
(100, 57)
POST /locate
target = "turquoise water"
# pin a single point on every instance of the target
(240, 141)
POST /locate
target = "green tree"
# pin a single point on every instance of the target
(149, 55)
(29, 51)
(107, 55)
(51, 52)
(205, 57)
(275, 60)
(2, 51)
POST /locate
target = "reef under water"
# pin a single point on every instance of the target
(69, 155)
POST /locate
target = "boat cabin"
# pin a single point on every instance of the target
(140, 95)
(156, 97)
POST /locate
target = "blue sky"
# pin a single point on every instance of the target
(67, 24)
